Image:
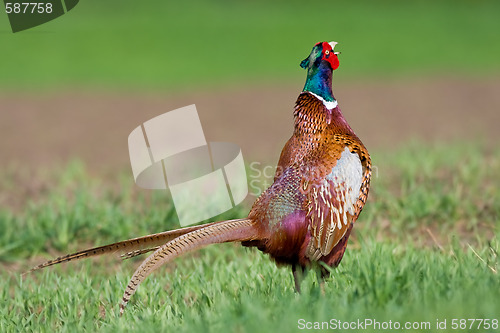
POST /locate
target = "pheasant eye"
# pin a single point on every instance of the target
(327, 52)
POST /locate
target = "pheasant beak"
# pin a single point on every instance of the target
(332, 44)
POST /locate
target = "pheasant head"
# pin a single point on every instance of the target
(320, 65)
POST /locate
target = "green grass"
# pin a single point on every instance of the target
(197, 44)
(425, 248)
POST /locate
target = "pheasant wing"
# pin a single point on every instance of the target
(332, 204)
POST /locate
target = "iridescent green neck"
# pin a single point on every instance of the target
(319, 81)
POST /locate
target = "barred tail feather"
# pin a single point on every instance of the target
(226, 231)
(128, 248)
(134, 253)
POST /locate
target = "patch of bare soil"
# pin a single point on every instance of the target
(47, 129)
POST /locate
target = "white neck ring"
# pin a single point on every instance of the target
(329, 105)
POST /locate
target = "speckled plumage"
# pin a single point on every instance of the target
(321, 185)
(306, 215)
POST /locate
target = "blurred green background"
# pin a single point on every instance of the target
(175, 44)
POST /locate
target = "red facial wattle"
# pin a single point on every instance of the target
(330, 56)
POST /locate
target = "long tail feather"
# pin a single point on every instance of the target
(129, 248)
(134, 253)
(226, 231)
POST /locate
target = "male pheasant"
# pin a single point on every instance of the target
(306, 215)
